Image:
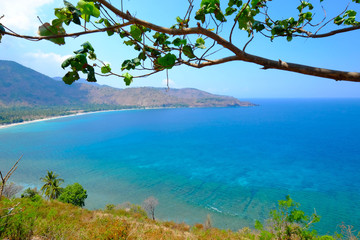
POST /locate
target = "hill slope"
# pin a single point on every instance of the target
(21, 86)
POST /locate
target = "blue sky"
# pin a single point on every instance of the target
(239, 79)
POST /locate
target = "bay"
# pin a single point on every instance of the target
(232, 163)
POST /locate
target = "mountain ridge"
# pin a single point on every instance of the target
(22, 86)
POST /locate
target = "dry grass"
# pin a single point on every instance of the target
(42, 219)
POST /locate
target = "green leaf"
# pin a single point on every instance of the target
(178, 42)
(105, 69)
(129, 42)
(128, 78)
(136, 32)
(258, 26)
(142, 56)
(160, 38)
(48, 30)
(70, 77)
(87, 46)
(2, 29)
(167, 61)
(92, 55)
(88, 9)
(91, 74)
(254, 3)
(67, 62)
(200, 14)
(209, 5)
(187, 50)
(229, 11)
(136, 61)
(107, 23)
(258, 225)
(200, 43)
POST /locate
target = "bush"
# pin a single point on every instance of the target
(17, 218)
(288, 222)
(74, 194)
(33, 194)
(109, 207)
(11, 189)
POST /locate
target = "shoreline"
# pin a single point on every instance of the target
(76, 114)
(84, 113)
(60, 116)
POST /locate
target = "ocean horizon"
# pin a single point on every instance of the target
(231, 163)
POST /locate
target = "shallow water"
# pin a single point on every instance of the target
(234, 163)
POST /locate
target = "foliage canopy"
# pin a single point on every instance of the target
(193, 39)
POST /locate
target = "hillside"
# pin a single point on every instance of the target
(32, 217)
(22, 86)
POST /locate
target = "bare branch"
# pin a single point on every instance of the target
(7, 176)
(332, 33)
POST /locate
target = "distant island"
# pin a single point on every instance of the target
(27, 95)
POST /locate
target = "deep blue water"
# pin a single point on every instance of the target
(234, 163)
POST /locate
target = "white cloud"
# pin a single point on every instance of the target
(171, 83)
(46, 63)
(47, 57)
(21, 15)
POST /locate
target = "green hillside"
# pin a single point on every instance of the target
(21, 86)
(27, 95)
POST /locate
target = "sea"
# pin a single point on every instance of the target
(233, 163)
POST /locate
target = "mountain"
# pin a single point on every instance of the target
(22, 86)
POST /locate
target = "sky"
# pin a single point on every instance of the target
(238, 79)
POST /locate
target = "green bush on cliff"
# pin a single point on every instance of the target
(288, 222)
(74, 194)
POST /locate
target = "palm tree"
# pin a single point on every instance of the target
(51, 188)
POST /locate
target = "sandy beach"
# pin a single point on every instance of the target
(57, 117)
(75, 114)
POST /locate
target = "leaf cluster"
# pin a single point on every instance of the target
(78, 63)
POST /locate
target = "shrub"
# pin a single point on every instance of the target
(11, 189)
(74, 194)
(288, 222)
(32, 194)
(109, 207)
(149, 205)
(208, 222)
(17, 218)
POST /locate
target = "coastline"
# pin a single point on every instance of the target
(60, 116)
(80, 112)
(76, 114)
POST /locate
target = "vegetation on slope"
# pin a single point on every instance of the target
(21, 86)
(28, 95)
(33, 217)
(36, 218)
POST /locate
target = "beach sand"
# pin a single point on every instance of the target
(56, 117)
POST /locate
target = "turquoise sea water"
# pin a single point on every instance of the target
(234, 163)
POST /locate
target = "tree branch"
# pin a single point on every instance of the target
(343, 30)
(7, 176)
(67, 35)
(240, 55)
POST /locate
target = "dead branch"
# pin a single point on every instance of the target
(7, 176)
